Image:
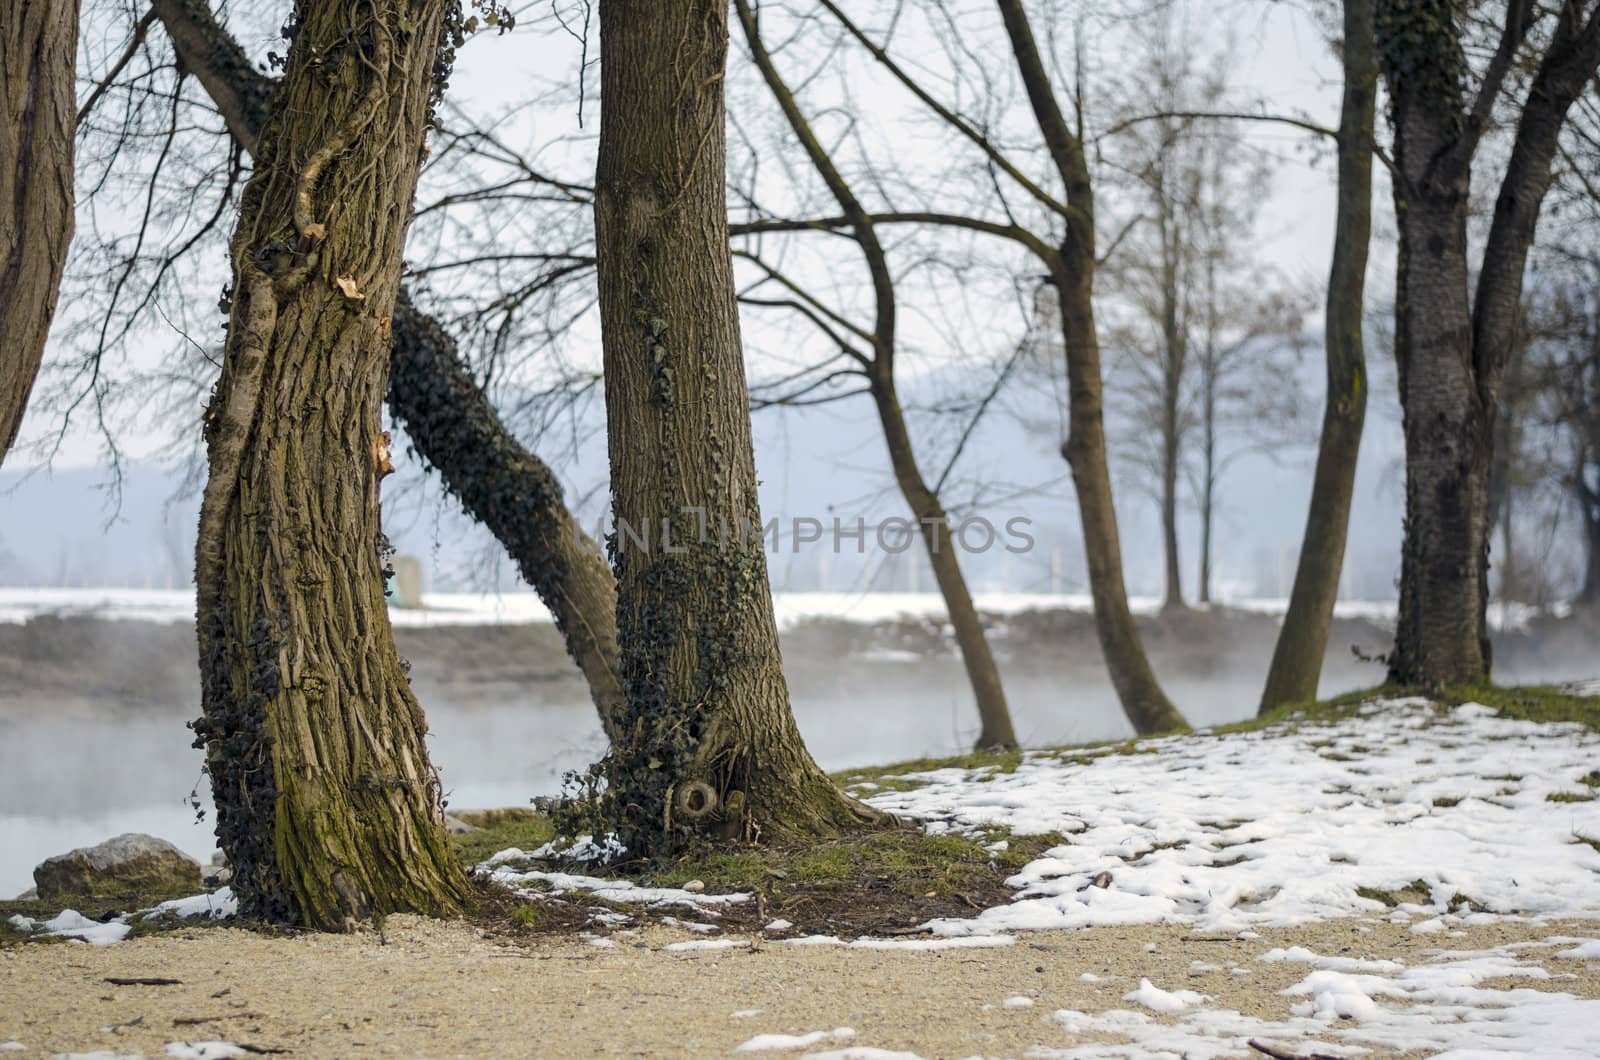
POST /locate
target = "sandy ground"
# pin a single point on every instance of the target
(432, 989)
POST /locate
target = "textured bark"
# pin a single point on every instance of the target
(710, 736)
(446, 416)
(996, 730)
(513, 493)
(1072, 268)
(1303, 641)
(327, 806)
(38, 119)
(1452, 350)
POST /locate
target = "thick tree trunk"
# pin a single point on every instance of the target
(710, 736)
(1303, 641)
(445, 414)
(1145, 704)
(1453, 351)
(38, 119)
(994, 715)
(513, 493)
(327, 806)
(1448, 430)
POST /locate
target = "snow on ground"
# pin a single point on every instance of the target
(518, 608)
(1438, 1007)
(70, 924)
(1292, 823)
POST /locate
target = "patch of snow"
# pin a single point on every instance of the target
(968, 942)
(12, 1047)
(1301, 955)
(1286, 825)
(762, 1043)
(71, 924)
(706, 944)
(746, 1013)
(1153, 997)
(611, 890)
(218, 905)
(778, 925)
(1588, 950)
(1018, 1001)
(204, 1050)
(690, 925)
(861, 1052)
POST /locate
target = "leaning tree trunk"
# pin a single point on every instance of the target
(1143, 701)
(513, 493)
(994, 715)
(1303, 641)
(710, 736)
(327, 806)
(38, 118)
(446, 415)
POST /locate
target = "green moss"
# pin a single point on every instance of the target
(527, 916)
(1543, 703)
(523, 830)
(902, 860)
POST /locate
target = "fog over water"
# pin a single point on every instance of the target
(94, 744)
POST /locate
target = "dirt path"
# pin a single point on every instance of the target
(429, 989)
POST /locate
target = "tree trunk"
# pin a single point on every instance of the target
(327, 806)
(38, 119)
(1448, 431)
(1208, 488)
(1303, 641)
(1589, 514)
(513, 493)
(993, 714)
(1072, 271)
(1146, 706)
(1174, 352)
(1453, 351)
(445, 414)
(710, 736)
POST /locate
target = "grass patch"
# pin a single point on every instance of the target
(1444, 802)
(1593, 844)
(1569, 796)
(1417, 892)
(892, 778)
(516, 827)
(1545, 703)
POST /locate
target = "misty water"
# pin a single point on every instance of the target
(68, 781)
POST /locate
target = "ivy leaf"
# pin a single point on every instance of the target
(347, 286)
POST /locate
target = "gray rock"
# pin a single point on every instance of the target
(127, 866)
(457, 826)
(27, 896)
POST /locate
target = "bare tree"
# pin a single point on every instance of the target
(876, 363)
(1453, 348)
(38, 116)
(1198, 316)
(1303, 640)
(327, 806)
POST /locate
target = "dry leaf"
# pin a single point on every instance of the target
(347, 285)
(316, 230)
